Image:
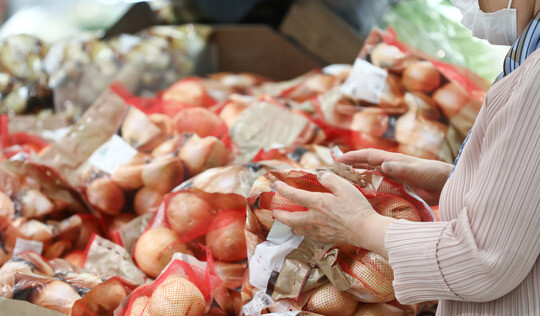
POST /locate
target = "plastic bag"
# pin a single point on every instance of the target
(58, 285)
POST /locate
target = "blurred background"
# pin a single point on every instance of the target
(431, 25)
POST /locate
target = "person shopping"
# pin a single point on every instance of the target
(482, 258)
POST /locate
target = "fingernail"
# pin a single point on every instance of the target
(387, 167)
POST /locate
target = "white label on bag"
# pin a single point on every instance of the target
(112, 154)
(259, 302)
(22, 245)
(270, 254)
(365, 82)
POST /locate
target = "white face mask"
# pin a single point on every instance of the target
(498, 28)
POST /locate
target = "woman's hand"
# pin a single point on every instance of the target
(425, 177)
(343, 216)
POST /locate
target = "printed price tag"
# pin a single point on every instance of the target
(22, 245)
(365, 82)
(112, 154)
(259, 302)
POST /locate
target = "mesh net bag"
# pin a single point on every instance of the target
(182, 289)
(187, 219)
(368, 276)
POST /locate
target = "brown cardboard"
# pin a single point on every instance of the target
(258, 49)
(321, 32)
(23, 308)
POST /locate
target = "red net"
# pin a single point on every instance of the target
(182, 289)
(187, 219)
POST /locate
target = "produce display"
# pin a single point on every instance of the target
(162, 204)
(35, 75)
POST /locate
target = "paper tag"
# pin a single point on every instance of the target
(365, 82)
(259, 302)
(112, 154)
(104, 256)
(270, 254)
(22, 245)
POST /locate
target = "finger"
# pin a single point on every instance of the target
(365, 166)
(373, 157)
(336, 184)
(291, 219)
(297, 196)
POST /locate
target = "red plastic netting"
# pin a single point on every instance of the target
(182, 289)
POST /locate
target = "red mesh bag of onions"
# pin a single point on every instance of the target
(185, 287)
(187, 219)
(285, 265)
(61, 286)
(410, 102)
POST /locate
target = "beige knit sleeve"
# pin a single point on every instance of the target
(492, 245)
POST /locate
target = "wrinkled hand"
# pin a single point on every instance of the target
(343, 216)
(425, 177)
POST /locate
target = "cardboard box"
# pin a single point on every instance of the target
(257, 49)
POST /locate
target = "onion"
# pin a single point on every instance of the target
(390, 308)
(197, 120)
(147, 200)
(7, 210)
(177, 297)
(139, 306)
(27, 229)
(105, 195)
(228, 243)
(329, 301)
(169, 146)
(186, 211)
(35, 204)
(231, 111)
(451, 98)
(56, 295)
(415, 131)
(4, 256)
(128, 175)
(392, 93)
(372, 276)
(155, 248)
(102, 299)
(120, 220)
(7, 276)
(190, 92)
(373, 122)
(88, 228)
(422, 76)
(424, 104)
(76, 257)
(200, 154)
(82, 280)
(139, 131)
(57, 249)
(396, 207)
(163, 173)
(385, 56)
(162, 121)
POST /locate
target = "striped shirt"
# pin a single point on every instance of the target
(483, 257)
